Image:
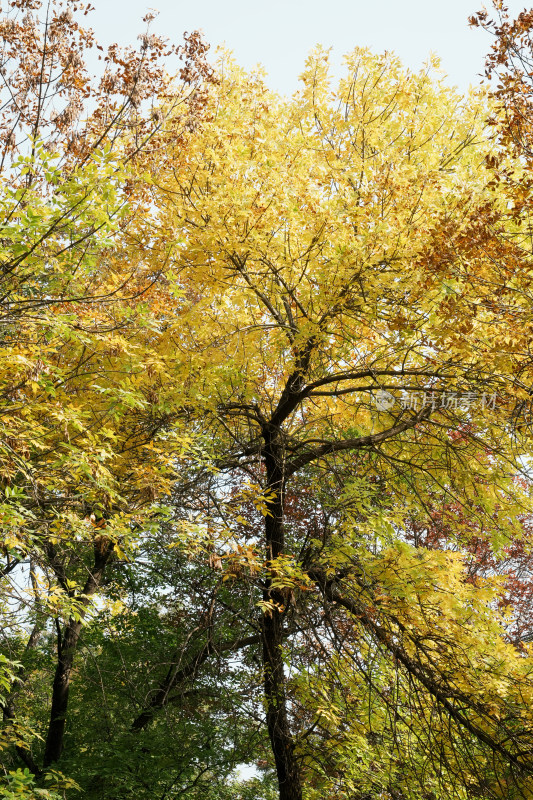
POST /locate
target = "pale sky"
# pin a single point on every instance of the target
(280, 33)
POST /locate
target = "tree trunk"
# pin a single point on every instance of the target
(60, 691)
(66, 649)
(287, 767)
(281, 739)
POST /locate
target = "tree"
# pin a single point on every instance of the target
(315, 245)
(284, 386)
(79, 465)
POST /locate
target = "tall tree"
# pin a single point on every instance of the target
(78, 464)
(328, 346)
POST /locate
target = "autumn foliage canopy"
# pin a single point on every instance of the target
(265, 422)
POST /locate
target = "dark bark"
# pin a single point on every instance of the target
(281, 739)
(362, 442)
(60, 692)
(279, 731)
(66, 647)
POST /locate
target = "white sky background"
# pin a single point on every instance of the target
(280, 33)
